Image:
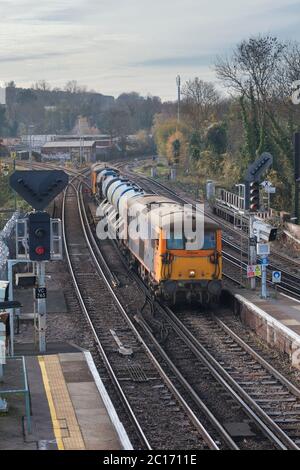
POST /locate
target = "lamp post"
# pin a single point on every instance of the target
(30, 128)
(178, 82)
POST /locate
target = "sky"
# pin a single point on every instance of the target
(116, 46)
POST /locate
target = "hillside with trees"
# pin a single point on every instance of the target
(45, 110)
(223, 126)
(221, 134)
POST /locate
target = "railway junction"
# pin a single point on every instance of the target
(96, 369)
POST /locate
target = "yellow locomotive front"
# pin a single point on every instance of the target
(180, 258)
(190, 269)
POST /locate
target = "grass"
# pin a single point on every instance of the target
(190, 183)
(7, 200)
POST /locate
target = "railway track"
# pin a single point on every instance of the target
(147, 393)
(268, 398)
(253, 393)
(258, 399)
(290, 284)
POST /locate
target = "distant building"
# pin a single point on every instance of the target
(73, 148)
(36, 141)
(82, 126)
(2, 96)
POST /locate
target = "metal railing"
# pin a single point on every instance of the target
(25, 390)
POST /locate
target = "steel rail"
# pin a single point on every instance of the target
(284, 286)
(283, 380)
(89, 236)
(263, 421)
(84, 222)
(87, 316)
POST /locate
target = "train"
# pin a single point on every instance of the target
(174, 265)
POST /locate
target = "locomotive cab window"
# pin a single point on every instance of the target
(174, 243)
(209, 241)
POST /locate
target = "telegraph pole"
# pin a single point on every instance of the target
(178, 82)
(252, 249)
(31, 127)
(176, 143)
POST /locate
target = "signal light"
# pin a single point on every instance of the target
(39, 236)
(254, 196)
(40, 250)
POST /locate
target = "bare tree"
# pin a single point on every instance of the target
(200, 99)
(42, 85)
(72, 86)
(10, 84)
(288, 75)
(116, 121)
(252, 69)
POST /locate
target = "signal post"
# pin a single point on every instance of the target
(252, 202)
(38, 237)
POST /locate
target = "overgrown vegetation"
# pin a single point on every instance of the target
(221, 136)
(8, 201)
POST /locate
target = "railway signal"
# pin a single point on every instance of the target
(253, 175)
(39, 240)
(259, 167)
(39, 188)
(38, 237)
(254, 196)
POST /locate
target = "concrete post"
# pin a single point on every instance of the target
(41, 306)
(264, 293)
(252, 250)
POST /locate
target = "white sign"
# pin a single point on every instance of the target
(253, 270)
(266, 184)
(270, 190)
(268, 187)
(263, 249)
(276, 276)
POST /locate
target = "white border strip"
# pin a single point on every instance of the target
(122, 434)
(271, 320)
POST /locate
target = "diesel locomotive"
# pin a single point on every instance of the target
(151, 232)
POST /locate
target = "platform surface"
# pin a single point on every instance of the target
(282, 308)
(68, 410)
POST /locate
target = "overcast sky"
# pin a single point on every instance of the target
(114, 46)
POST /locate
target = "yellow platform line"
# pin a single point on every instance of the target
(66, 418)
(55, 423)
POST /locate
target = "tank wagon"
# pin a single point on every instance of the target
(150, 232)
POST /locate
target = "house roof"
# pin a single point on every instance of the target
(69, 144)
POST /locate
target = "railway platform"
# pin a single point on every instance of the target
(275, 319)
(70, 407)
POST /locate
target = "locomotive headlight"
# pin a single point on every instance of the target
(192, 273)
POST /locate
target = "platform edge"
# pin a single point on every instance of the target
(120, 430)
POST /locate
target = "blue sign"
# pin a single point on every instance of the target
(276, 276)
(264, 261)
